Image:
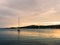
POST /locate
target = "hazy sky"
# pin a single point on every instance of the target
(39, 12)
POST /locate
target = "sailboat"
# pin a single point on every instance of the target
(18, 29)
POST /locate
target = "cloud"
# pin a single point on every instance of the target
(21, 4)
(30, 12)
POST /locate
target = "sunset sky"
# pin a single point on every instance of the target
(31, 12)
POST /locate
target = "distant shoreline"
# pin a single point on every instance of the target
(38, 27)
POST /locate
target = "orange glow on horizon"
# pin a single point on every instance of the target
(41, 23)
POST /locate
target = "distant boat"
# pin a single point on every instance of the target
(18, 30)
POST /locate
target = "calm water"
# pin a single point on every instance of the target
(30, 37)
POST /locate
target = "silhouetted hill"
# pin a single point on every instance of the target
(38, 27)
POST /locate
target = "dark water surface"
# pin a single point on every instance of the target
(30, 37)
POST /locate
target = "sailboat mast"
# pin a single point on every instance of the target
(18, 22)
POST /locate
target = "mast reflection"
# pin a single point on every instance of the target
(18, 34)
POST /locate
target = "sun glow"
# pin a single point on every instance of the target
(55, 22)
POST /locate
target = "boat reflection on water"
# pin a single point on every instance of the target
(18, 34)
